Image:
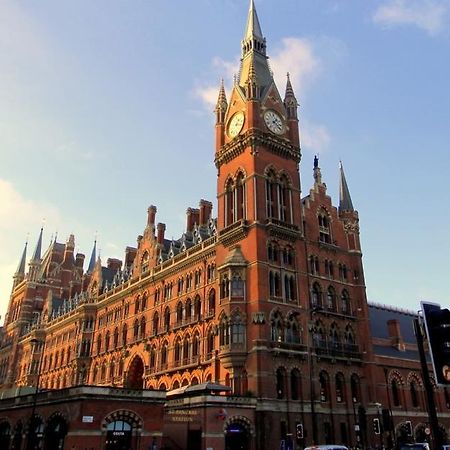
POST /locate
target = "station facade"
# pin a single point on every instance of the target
(250, 330)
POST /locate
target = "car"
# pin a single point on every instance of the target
(416, 446)
(328, 447)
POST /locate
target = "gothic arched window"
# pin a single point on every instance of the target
(240, 197)
(345, 302)
(155, 323)
(107, 340)
(116, 337)
(196, 344)
(331, 299)
(164, 354)
(414, 396)
(324, 227)
(229, 203)
(187, 309)
(124, 334)
(395, 392)
(271, 195)
(324, 382)
(316, 295)
(224, 332)
(179, 313)
(295, 384)
(281, 383)
(237, 330)
(355, 388)
(276, 327)
(177, 350)
(143, 327)
(167, 319)
(340, 385)
(285, 200)
(212, 302)
(292, 330)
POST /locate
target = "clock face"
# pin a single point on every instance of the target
(274, 122)
(235, 124)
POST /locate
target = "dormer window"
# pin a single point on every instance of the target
(144, 262)
(324, 228)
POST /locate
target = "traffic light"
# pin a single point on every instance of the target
(437, 325)
(387, 419)
(408, 427)
(299, 431)
(376, 426)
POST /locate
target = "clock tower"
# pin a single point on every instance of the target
(259, 206)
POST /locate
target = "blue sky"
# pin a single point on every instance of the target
(91, 92)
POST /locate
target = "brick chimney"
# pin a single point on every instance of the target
(79, 260)
(151, 214)
(130, 254)
(205, 211)
(114, 264)
(161, 227)
(192, 217)
(395, 334)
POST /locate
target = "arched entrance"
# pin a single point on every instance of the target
(122, 429)
(35, 433)
(5, 434)
(237, 436)
(17, 437)
(55, 433)
(135, 379)
(118, 435)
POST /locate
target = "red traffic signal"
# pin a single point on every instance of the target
(376, 426)
(299, 431)
(437, 325)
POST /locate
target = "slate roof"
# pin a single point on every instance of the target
(379, 316)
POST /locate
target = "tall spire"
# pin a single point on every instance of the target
(21, 267)
(345, 201)
(254, 52)
(253, 29)
(290, 102)
(38, 249)
(35, 261)
(93, 259)
(221, 105)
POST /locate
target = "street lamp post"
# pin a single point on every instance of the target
(378, 406)
(391, 435)
(32, 432)
(314, 309)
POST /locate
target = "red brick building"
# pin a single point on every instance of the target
(255, 321)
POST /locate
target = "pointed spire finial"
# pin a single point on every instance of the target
(93, 258)
(221, 105)
(21, 267)
(290, 102)
(38, 249)
(254, 52)
(253, 28)
(345, 201)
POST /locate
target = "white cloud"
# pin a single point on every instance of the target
(300, 59)
(17, 210)
(18, 216)
(297, 57)
(207, 95)
(427, 15)
(314, 138)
